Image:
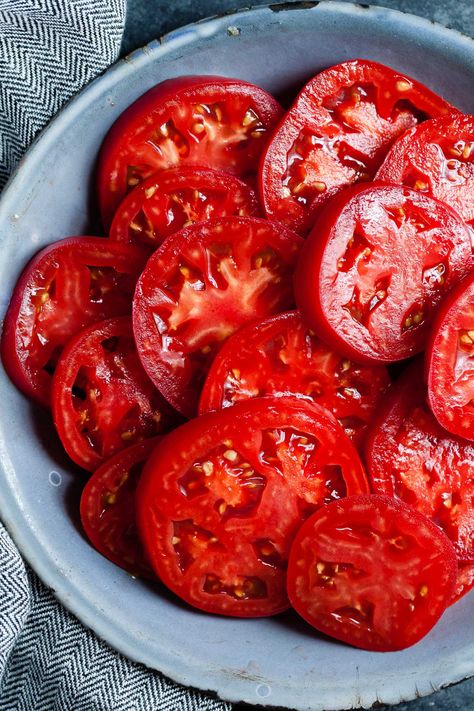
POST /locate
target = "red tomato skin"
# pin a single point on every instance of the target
(405, 396)
(160, 495)
(301, 117)
(356, 510)
(179, 385)
(169, 94)
(417, 160)
(443, 352)
(246, 350)
(312, 285)
(140, 390)
(93, 511)
(17, 326)
(173, 180)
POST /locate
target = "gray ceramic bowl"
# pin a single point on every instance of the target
(278, 661)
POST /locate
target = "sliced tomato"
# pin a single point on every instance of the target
(337, 133)
(198, 288)
(177, 198)
(209, 121)
(281, 356)
(410, 456)
(102, 399)
(371, 572)
(222, 497)
(108, 508)
(376, 267)
(67, 286)
(436, 158)
(464, 581)
(450, 362)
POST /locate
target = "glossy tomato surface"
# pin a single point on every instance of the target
(436, 158)
(64, 288)
(209, 121)
(450, 362)
(222, 497)
(336, 134)
(108, 508)
(281, 356)
(177, 198)
(198, 288)
(376, 267)
(102, 399)
(410, 456)
(371, 572)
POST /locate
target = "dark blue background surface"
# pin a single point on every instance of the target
(149, 19)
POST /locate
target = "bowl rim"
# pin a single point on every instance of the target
(177, 668)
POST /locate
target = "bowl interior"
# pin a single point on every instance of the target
(277, 661)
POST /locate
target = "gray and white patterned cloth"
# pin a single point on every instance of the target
(48, 662)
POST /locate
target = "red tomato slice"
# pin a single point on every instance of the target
(108, 508)
(375, 268)
(199, 287)
(436, 158)
(212, 122)
(102, 399)
(337, 133)
(450, 362)
(222, 497)
(281, 356)
(177, 198)
(464, 581)
(410, 456)
(371, 572)
(67, 286)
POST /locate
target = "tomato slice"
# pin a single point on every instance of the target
(108, 508)
(371, 572)
(410, 456)
(200, 286)
(102, 399)
(176, 198)
(436, 158)
(222, 496)
(209, 121)
(464, 581)
(67, 286)
(337, 133)
(450, 362)
(375, 268)
(281, 356)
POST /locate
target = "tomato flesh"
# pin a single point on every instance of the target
(222, 496)
(102, 399)
(67, 286)
(464, 581)
(436, 158)
(371, 572)
(198, 288)
(281, 356)
(450, 362)
(410, 456)
(177, 198)
(336, 134)
(212, 122)
(108, 508)
(375, 268)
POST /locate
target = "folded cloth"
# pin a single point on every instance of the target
(48, 661)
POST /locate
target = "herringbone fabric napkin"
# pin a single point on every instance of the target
(48, 661)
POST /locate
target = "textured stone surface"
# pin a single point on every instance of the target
(148, 19)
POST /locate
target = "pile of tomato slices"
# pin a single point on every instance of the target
(267, 366)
